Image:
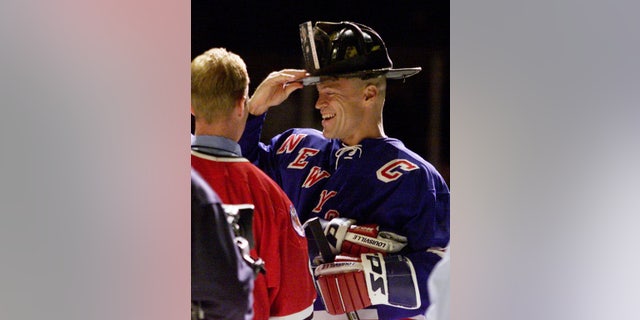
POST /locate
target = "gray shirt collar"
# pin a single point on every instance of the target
(216, 145)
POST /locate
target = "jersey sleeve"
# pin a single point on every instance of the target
(261, 154)
(250, 140)
(291, 291)
(419, 206)
(433, 209)
(267, 156)
(297, 293)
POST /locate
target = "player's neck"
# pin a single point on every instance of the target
(376, 132)
(217, 129)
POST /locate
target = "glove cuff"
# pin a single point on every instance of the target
(338, 267)
(391, 280)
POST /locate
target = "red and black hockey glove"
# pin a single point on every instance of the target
(349, 284)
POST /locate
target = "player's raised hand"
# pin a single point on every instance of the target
(276, 88)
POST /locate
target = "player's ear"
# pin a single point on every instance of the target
(192, 111)
(370, 92)
(240, 106)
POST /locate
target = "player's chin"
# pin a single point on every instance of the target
(328, 133)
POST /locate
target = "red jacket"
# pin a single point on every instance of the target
(287, 289)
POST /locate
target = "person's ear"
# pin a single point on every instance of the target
(370, 92)
(240, 106)
(192, 111)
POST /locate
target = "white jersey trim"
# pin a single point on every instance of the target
(218, 159)
(296, 316)
(363, 314)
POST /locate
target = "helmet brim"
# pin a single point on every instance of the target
(401, 73)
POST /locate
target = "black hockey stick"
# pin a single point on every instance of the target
(320, 238)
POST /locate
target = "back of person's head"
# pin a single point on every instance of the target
(218, 79)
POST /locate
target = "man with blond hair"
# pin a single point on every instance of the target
(219, 89)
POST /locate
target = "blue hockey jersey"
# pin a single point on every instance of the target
(378, 181)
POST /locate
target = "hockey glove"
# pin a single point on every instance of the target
(350, 284)
(347, 238)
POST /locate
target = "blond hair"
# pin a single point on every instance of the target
(218, 79)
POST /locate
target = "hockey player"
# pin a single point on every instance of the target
(385, 208)
(219, 86)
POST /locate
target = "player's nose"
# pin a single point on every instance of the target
(320, 103)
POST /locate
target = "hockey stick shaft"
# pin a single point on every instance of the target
(320, 238)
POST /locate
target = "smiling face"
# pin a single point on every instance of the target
(340, 102)
(351, 108)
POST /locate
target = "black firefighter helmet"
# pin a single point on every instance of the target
(346, 49)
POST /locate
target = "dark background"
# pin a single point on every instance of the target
(265, 34)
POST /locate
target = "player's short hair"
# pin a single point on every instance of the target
(218, 78)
